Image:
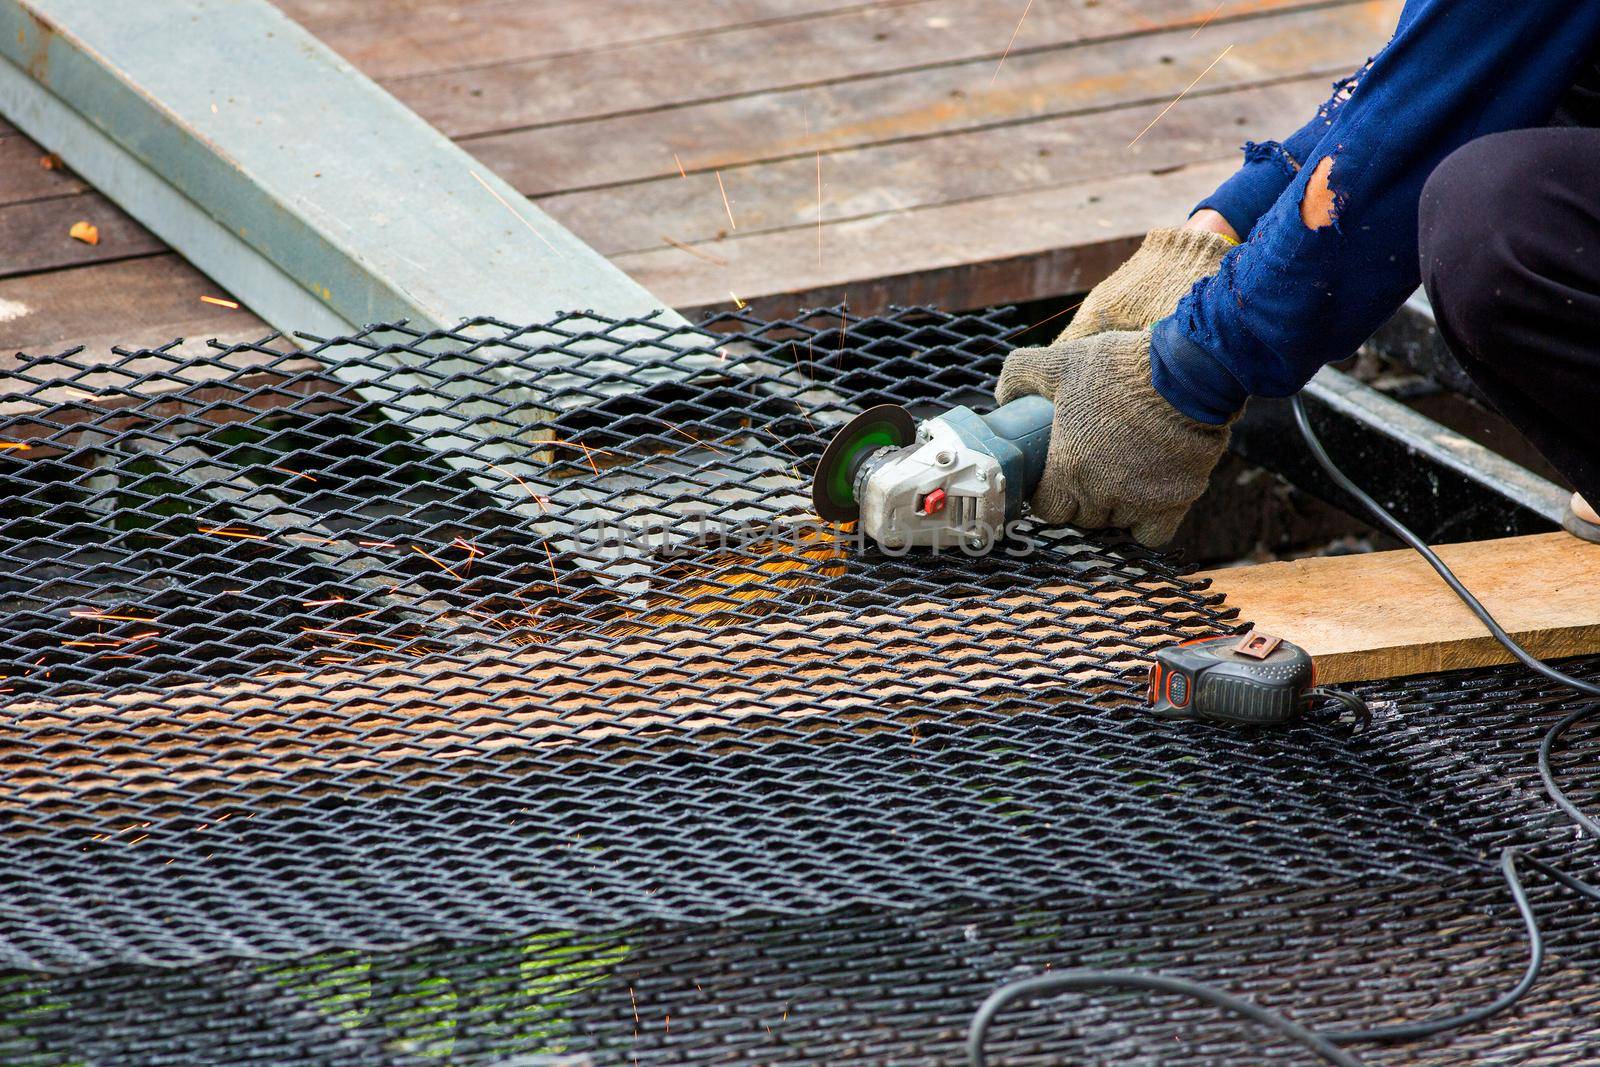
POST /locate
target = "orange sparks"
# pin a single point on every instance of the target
(554, 577)
(222, 531)
(681, 172)
(91, 613)
(322, 603)
(19, 446)
(1011, 42)
(740, 304)
(698, 440)
(441, 565)
(589, 456)
(1180, 96)
(726, 206)
(231, 305)
(1207, 22)
(693, 251)
(349, 638)
(537, 499)
(297, 474)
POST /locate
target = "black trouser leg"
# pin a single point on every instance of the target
(1510, 243)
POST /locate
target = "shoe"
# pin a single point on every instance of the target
(1582, 521)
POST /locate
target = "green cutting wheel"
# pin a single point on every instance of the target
(833, 489)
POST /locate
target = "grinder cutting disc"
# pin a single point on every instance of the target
(833, 489)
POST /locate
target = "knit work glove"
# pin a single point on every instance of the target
(1147, 288)
(1120, 455)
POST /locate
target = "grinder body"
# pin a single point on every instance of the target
(962, 479)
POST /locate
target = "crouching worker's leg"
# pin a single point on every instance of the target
(1510, 246)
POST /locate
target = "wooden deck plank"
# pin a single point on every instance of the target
(886, 179)
(385, 43)
(928, 104)
(972, 254)
(862, 45)
(145, 301)
(34, 236)
(1388, 615)
(22, 178)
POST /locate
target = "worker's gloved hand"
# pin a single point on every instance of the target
(1120, 455)
(1147, 288)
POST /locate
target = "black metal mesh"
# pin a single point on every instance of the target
(339, 733)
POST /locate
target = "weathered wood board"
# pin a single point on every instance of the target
(1388, 615)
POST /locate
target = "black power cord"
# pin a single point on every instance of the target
(1326, 1044)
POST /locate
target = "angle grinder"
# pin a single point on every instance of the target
(959, 477)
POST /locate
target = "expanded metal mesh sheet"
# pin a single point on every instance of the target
(489, 695)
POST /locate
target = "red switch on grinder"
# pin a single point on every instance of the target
(933, 503)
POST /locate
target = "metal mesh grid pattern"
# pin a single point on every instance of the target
(421, 694)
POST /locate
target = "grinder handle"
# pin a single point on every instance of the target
(1025, 422)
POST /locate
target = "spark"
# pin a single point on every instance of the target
(588, 456)
(321, 603)
(681, 172)
(232, 305)
(1207, 22)
(221, 531)
(554, 577)
(693, 251)
(442, 566)
(375, 544)
(91, 613)
(537, 499)
(1024, 329)
(698, 440)
(1180, 96)
(1011, 42)
(297, 474)
(19, 446)
(725, 205)
(819, 204)
(504, 203)
(740, 304)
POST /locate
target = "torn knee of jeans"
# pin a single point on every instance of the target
(1321, 205)
(1271, 152)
